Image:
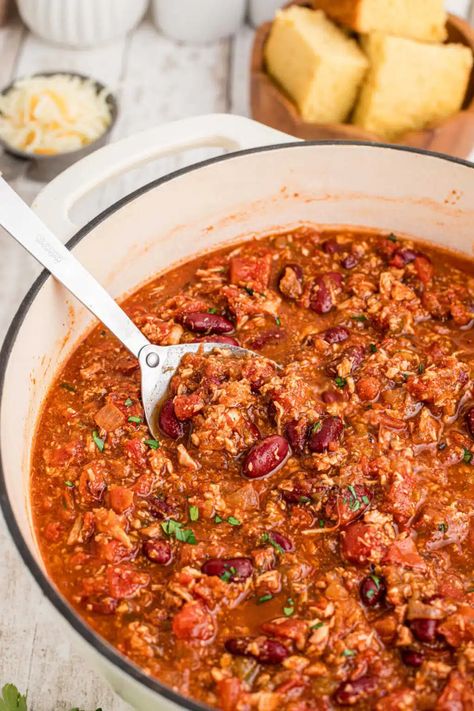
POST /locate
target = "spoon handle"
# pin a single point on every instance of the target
(24, 226)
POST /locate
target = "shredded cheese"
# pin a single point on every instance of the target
(51, 115)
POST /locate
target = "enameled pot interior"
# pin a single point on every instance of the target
(223, 200)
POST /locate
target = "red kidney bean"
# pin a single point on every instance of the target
(331, 246)
(424, 629)
(330, 396)
(271, 336)
(300, 493)
(239, 568)
(281, 541)
(160, 508)
(168, 421)
(470, 421)
(372, 590)
(217, 339)
(350, 261)
(412, 658)
(321, 299)
(327, 435)
(337, 334)
(401, 257)
(265, 457)
(352, 692)
(203, 322)
(158, 552)
(264, 650)
(296, 433)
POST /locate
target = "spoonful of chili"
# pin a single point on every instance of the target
(157, 363)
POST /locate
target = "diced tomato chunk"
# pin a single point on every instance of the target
(121, 498)
(125, 582)
(404, 553)
(136, 450)
(194, 622)
(251, 272)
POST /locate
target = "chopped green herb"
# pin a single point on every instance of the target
(264, 598)
(70, 484)
(266, 538)
(316, 427)
(193, 513)
(153, 443)
(376, 580)
(340, 382)
(373, 348)
(322, 523)
(370, 593)
(349, 653)
(467, 456)
(218, 519)
(12, 700)
(278, 321)
(289, 609)
(128, 402)
(405, 376)
(392, 237)
(366, 500)
(175, 529)
(421, 368)
(234, 521)
(443, 527)
(249, 291)
(100, 444)
(360, 318)
(316, 626)
(136, 419)
(212, 311)
(68, 387)
(354, 504)
(227, 575)
(304, 499)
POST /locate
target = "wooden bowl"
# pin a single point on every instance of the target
(271, 106)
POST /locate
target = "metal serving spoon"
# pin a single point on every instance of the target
(157, 363)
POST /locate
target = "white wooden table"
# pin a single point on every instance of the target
(156, 80)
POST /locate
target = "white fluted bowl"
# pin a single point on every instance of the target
(81, 23)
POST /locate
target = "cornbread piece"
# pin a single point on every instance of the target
(418, 19)
(316, 64)
(411, 85)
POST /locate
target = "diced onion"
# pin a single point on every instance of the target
(55, 114)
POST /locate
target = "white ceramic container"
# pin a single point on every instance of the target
(258, 191)
(261, 11)
(81, 23)
(198, 21)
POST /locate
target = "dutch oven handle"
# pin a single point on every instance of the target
(55, 202)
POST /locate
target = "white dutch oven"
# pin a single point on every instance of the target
(234, 196)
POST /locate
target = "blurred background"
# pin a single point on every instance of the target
(162, 60)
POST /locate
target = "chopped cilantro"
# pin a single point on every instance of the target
(249, 291)
(421, 369)
(227, 575)
(234, 521)
(405, 376)
(392, 237)
(218, 519)
(467, 456)
(322, 523)
(373, 348)
(69, 484)
(100, 444)
(304, 499)
(153, 443)
(370, 593)
(264, 598)
(267, 538)
(349, 653)
(175, 529)
(316, 626)
(68, 387)
(366, 500)
(128, 402)
(289, 609)
(361, 318)
(316, 427)
(212, 311)
(354, 504)
(340, 382)
(278, 321)
(193, 513)
(136, 419)
(376, 580)
(443, 527)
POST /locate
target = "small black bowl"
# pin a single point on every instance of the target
(15, 163)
